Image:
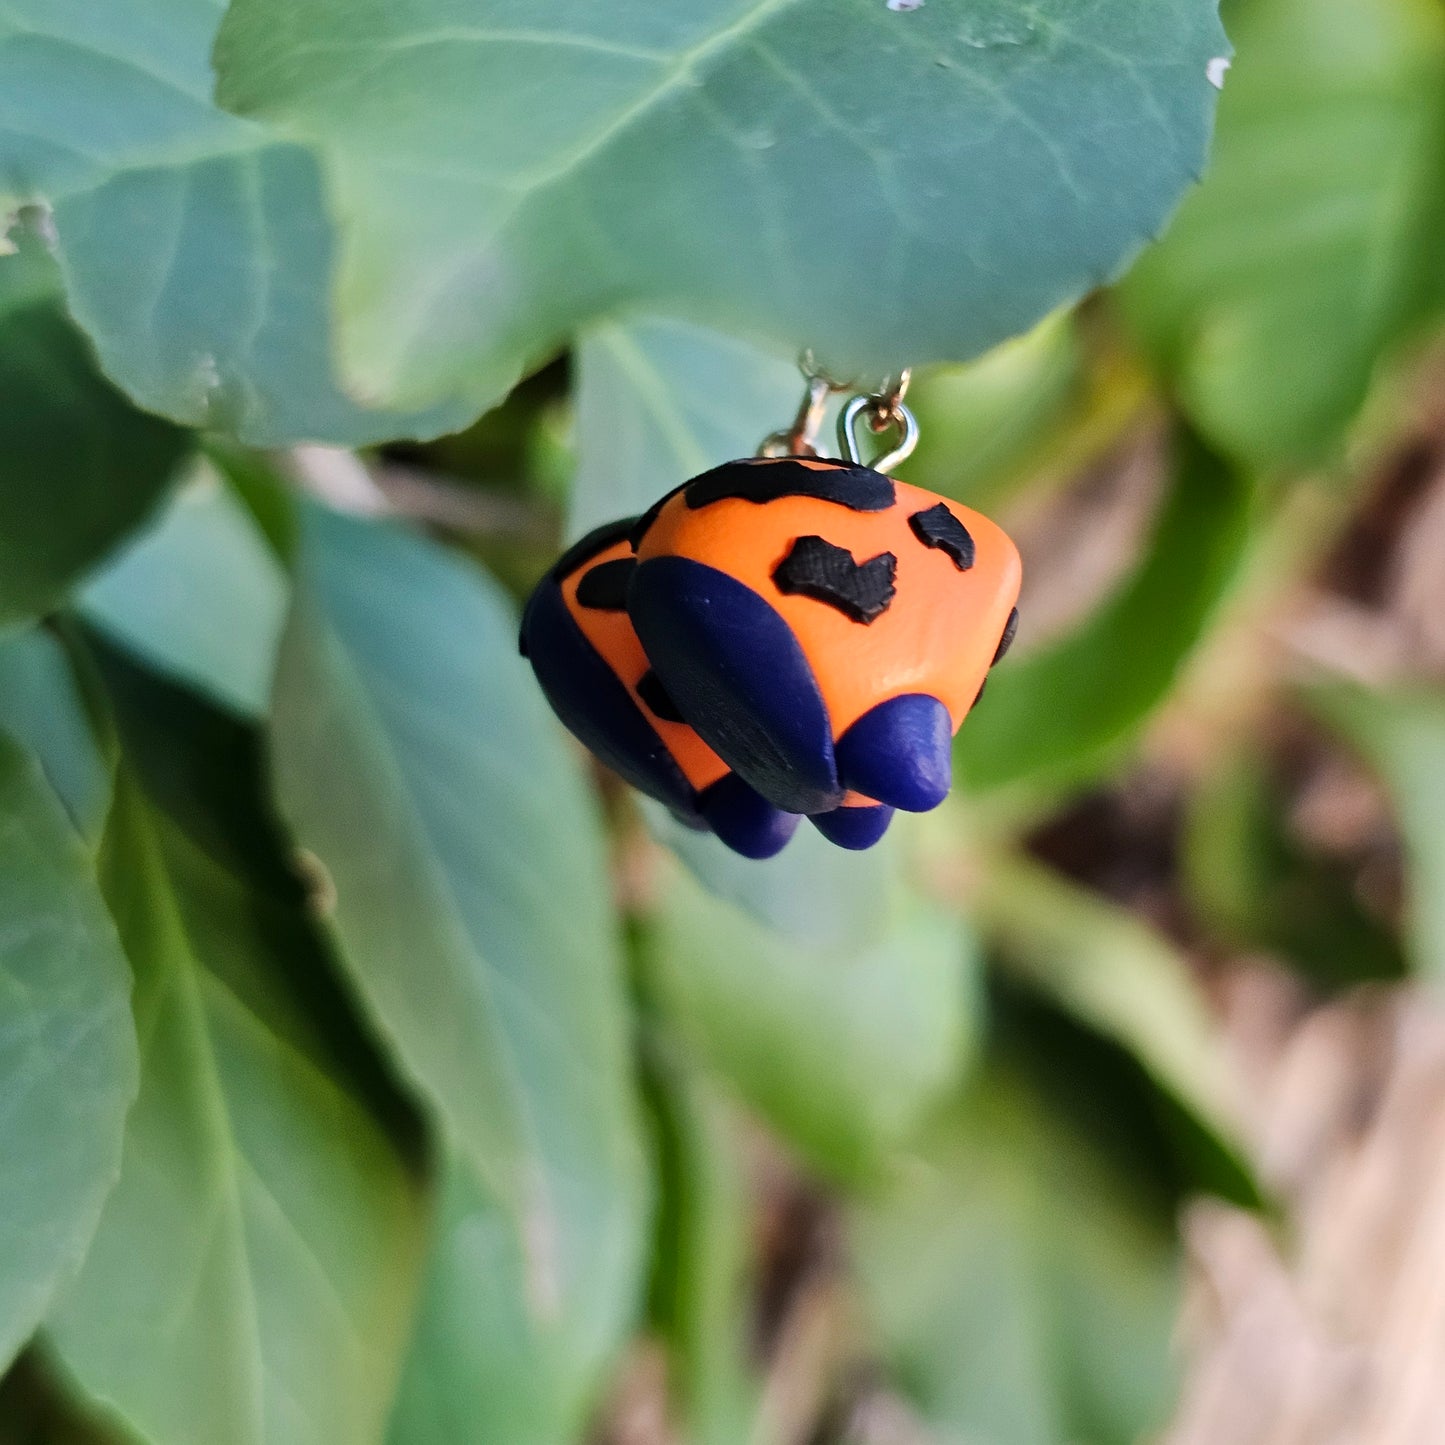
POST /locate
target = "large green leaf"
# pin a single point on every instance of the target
(196, 247)
(1021, 1292)
(253, 1274)
(79, 465)
(1309, 244)
(1057, 711)
(658, 402)
(417, 761)
(888, 184)
(67, 1048)
(199, 595)
(840, 1043)
(1402, 736)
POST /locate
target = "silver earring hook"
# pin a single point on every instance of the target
(798, 439)
(884, 409)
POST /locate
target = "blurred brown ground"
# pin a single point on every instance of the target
(1328, 1329)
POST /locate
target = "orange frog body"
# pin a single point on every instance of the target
(779, 637)
(824, 627)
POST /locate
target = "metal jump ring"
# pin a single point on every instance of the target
(897, 414)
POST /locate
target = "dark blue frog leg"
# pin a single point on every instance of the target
(744, 820)
(855, 828)
(739, 676)
(593, 703)
(900, 752)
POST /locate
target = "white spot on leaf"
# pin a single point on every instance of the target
(989, 32)
(1216, 70)
(904, 4)
(42, 222)
(206, 384)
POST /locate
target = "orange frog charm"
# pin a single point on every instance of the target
(778, 637)
(825, 628)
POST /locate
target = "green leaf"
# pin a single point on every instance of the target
(1308, 246)
(840, 1044)
(79, 465)
(196, 247)
(888, 186)
(486, 1365)
(479, 1368)
(1056, 712)
(1124, 981)
(252, 1277)
(417, 761)
(264, 482)
(42, 708)
(1022, 1294)
(812, 893)
(701, 1296)
(199, 596)
(658, 402)
(990, 423)
(1401, 735)
(34, 1410)
(67, 1048)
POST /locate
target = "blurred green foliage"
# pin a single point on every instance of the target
(1315, 248)
(371, 1070)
